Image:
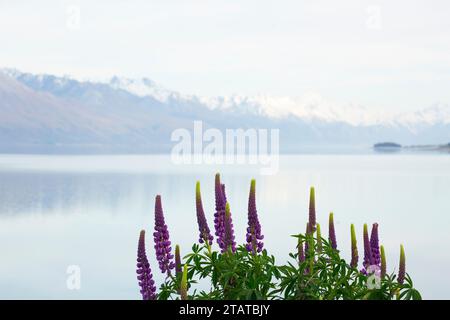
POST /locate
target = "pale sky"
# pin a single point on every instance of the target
(381, 54)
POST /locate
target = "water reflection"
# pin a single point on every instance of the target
(87, 211)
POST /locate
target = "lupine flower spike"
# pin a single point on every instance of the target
(178, 269)
(228, 239)
(312, 209)
(144, 273)
(402, 266)
(367, 252)
(383, 262)
(319, 238)
(183, 287)
(309, 235)
(374, 246)
(219, 215)
(161, 237)
(254, 236)
(332, 232)
(204, 232)
(354, 261)
(224, 195)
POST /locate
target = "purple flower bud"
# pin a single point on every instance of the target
(308, 234)
(144, 273)
(374, 246)
(219, 215)
(161, 237)
(402, 266)
(205, 234)
(312, 209)
(228, 239)
(367, 250)
(332, 232)
(253, 237)
(354, 262)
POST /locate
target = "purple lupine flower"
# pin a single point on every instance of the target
(161, 237)
(219, 215)
(332, 232)
(205, 234)
(374, 246)
(312, 209)
(224, 195)
(228, 237)
(178, 269)
(354, 261)
(402, 266)
(254, 236)
(367, 250)
(308, 234)
(144, 272)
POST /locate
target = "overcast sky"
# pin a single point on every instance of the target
(382, 54)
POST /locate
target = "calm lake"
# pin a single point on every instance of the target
(87, 211)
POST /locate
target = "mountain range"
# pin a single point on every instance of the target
(51, 114)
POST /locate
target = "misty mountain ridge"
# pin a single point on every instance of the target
(50, 113)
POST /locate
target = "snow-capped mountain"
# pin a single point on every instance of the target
(139, 114)
(308, 107)
(143, 87)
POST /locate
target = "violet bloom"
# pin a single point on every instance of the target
(219, 215)
(312, 209)
(224, 195)
(332, 232)
(144, 273)
(253, 237)
(228, 237)
(205, 234)
(374, 246)
(354, 262)
(161, 237)
(367, 250)
(402, 266)
(308, 235)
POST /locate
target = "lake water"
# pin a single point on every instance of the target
(86, 211)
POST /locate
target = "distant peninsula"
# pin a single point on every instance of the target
(387, 145)
(393, 147)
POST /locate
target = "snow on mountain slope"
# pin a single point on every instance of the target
(141, 110)
(142, 87)
(309, 107)
(438, 113)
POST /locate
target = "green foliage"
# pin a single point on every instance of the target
(323, 275)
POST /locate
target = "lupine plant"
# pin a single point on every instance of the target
(247, 271)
